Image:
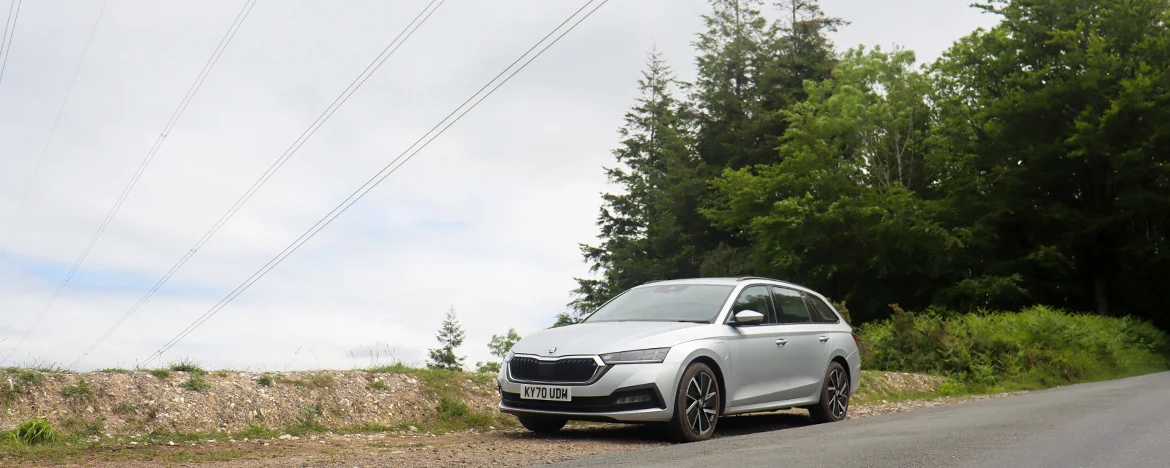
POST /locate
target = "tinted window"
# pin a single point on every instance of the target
(665, 303)
(755, 298)
(791, 306)
(822, 309)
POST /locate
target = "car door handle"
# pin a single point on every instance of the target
(781, 342)
(824, 339)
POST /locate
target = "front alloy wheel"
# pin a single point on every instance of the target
(696, 409)
(834, 404)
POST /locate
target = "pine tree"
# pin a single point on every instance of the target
(450, 337)
(645, 228)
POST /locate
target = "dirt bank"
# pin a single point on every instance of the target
(196, 402)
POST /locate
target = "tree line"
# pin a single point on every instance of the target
(1027, 165)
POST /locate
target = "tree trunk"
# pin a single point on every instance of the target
(1100, 293)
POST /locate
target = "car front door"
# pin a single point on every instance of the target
(806, 351)
(758, 368)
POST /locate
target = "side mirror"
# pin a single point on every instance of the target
(749, 317)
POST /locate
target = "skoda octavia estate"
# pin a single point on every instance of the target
(685, 353)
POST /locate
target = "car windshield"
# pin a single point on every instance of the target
(665, 303)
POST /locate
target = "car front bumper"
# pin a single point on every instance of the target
(652, 385)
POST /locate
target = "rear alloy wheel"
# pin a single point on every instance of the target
(541, 424)
(696, 406)
(834, 404)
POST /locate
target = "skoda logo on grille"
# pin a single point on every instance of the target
(552, 350)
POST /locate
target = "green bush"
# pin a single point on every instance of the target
(1037, 347)
(187, 366)
(195, 383)
(265, 380)
(35, 432)
(80, 389)
(451, 409)
(28, 377)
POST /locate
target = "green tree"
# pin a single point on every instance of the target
(499, 347)
(565, 319)
(1061, 113)
(450, 337)
(840, 211)
(644, 235)
(748, 71)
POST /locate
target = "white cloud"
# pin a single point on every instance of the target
(487, 219)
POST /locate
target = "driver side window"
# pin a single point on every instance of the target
(756, 298)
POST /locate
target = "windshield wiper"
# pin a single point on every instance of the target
(693, 321)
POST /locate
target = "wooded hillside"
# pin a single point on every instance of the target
(1029, 165)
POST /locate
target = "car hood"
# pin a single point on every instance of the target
(607, 337)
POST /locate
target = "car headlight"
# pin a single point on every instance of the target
(641, 356)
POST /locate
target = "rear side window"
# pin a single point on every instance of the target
(757, 299)
(790, 306)
(822, 309)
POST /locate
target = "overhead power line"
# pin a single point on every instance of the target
(158, 142)
(9, 33)
(37, 171)
(387, 170)
(341, 99)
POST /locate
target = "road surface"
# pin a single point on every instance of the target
(1119, 423)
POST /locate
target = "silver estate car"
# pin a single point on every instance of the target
(684, 353)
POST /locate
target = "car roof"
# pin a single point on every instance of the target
(727, 281)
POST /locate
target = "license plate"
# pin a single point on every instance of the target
(545, 392)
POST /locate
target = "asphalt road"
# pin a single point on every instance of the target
(1119, 423)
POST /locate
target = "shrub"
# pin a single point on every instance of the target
(378, 385)
(161, 373)
(195, 383)
(457, 414)
(35, 432)
(321, 380)
(451, 409)
(81, 427)
(265, 381)
(308, 421)
(115, 370)
(125, 408)
(187, 366)
(28, 377)
(80, 389)
(1036, 347)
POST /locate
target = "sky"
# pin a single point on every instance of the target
(486, 220)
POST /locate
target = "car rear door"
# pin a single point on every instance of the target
(806, 350)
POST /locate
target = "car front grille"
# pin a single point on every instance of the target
(575, 370)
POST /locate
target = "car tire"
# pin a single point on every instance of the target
(696, 405)
(834, 404)
(541, 424)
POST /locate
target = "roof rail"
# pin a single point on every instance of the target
(746, 278)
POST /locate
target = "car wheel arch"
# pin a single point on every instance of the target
(845, 365)
(718, 378)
